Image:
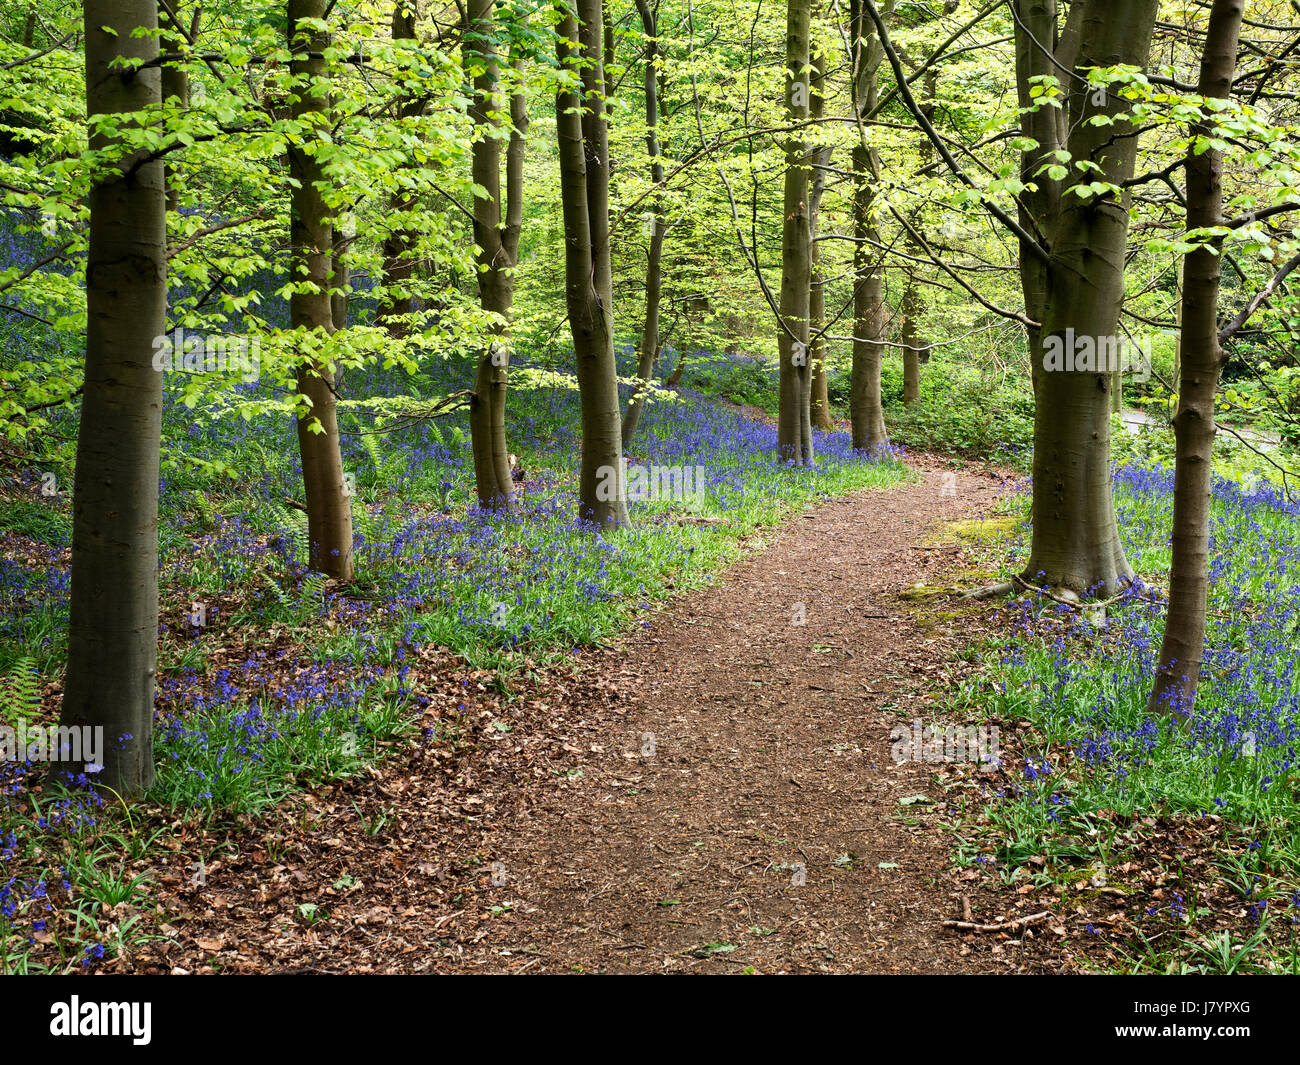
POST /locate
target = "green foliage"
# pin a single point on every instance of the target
(20, 693)
(743, 379)
(962, 409)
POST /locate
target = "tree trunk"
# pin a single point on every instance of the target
(1039, 203)
(910, 338)
(912, 303)
(649, 350)
(1075, 542)
(819, 402)
(311, 237)
(496, 236)
(1201, 359)
(339, 297)
(175, 86)
(866, 412)
(794, 426)
(339, 301)
(399, 264)
(584, 192)
(113, 601)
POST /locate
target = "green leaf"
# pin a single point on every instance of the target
(713, 948)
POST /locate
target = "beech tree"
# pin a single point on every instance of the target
(1201, 357)
(648, 352)
(175, 76)
(914, 350)
(498, 219)
(794, 425)
(584, 189)
(113, 602)
(1073, 270)
(311, 238)
(399, 262)
(1079, 148)
(866, 412)
(820, 160)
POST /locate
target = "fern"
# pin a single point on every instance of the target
(294, 525)
(371, 445)
(366, 523)
(388, 468)
(278, 592)
(311, 596)
(20, 694)
(203, 511)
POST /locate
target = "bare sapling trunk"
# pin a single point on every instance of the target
(910, 338)
(648, 353)
(794, 425)
(175, 88)
(496, 237)
(1178, 669)
(584, 191)
(820, 401)
(113, 601)
(912, 304)
(311, 237)
(340, 280)
(399, 258)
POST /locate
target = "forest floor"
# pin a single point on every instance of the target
(715, 792)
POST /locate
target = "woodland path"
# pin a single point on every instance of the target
(660, 801)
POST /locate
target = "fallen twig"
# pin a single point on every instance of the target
(1006, 926)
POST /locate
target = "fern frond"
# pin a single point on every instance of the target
(20, 696)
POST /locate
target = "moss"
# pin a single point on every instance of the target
(983, 531)
(923, 592)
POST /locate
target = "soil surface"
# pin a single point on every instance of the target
(714, 794)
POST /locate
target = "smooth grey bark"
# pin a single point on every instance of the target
(1075, 541)
(584, 193)
(399, 261)
(496, 236)
(1178, 669)
(866, 411)
(1038, 50)
(794, 425)
(311, 238)
(819, 402)
(915, 351)
(113, 601)
(910, 338)
(648, 352)
(175, 86)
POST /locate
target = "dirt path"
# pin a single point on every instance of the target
(761, 758)
(714, 794)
